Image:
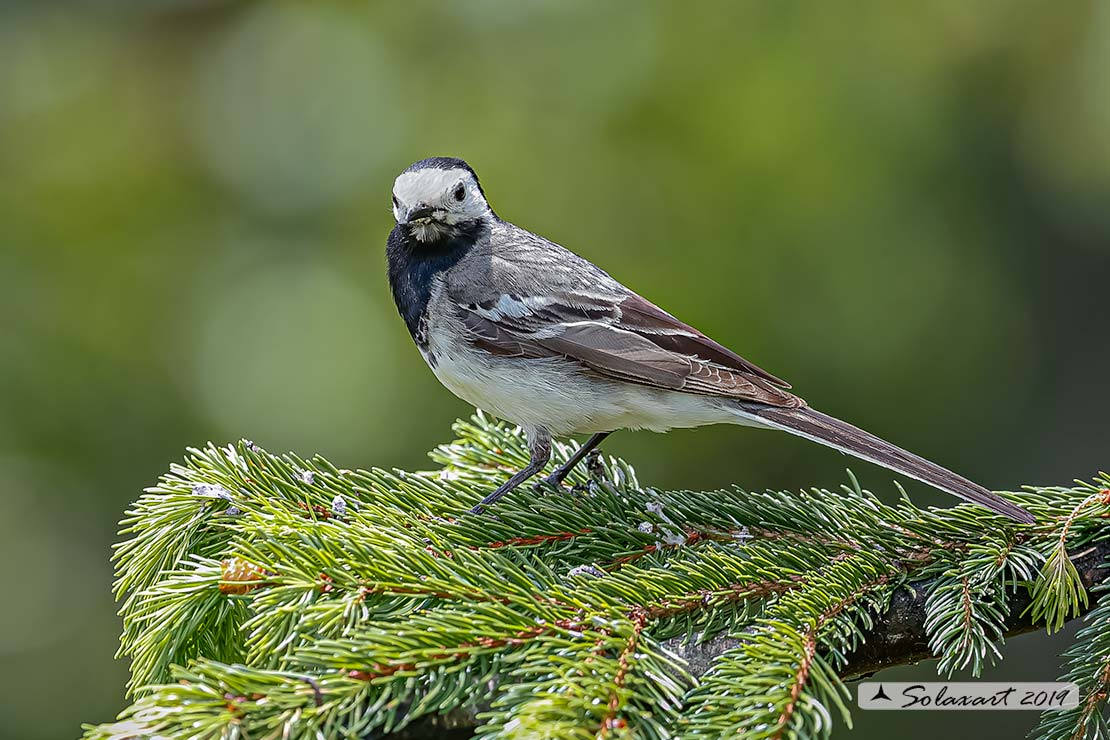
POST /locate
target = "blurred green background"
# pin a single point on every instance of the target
(901, 208)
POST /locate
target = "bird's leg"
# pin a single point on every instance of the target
(556, 478)
(539, 451)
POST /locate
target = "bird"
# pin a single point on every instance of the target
(531, 332)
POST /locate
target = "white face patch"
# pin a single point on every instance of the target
(439, 190)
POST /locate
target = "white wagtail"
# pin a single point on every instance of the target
(531, 332)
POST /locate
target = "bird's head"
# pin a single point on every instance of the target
(438, 197)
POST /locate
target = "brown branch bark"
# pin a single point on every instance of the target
(897, 639)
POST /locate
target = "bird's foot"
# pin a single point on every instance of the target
(552, 483)
(555, 482)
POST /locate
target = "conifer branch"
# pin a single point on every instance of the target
(900, 638)
(268, 595)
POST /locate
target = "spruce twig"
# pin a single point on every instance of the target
(272, 596)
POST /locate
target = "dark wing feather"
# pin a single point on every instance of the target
(626, 339)
(641, 315)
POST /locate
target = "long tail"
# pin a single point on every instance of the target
(824, 429)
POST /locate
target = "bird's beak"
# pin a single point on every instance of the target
(417, 212)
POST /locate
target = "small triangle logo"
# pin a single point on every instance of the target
(880, 694)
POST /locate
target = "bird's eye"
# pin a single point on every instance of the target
(460, 192)
(396, 203)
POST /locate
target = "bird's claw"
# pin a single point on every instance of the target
(550, 483)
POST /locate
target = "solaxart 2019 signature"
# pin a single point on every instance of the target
(967, 695)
